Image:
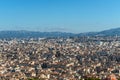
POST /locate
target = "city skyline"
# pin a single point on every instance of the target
(59, 15)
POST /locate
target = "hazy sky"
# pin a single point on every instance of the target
(59, 15)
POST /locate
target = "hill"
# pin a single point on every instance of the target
(33, 34)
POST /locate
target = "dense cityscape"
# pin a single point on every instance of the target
(73, 58)
(59, 39)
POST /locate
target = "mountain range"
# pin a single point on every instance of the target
(36, 34)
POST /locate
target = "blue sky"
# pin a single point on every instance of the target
(59, 15)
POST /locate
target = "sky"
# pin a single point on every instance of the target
(74, 16)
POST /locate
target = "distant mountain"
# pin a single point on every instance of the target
(110, 32)
(33, 34)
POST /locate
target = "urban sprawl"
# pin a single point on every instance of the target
(73, 58)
